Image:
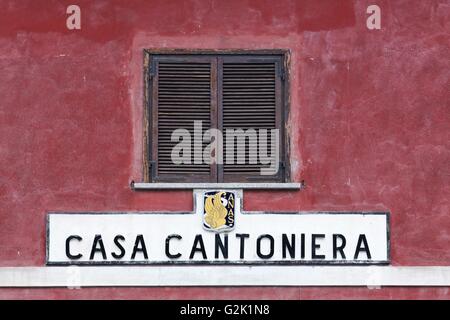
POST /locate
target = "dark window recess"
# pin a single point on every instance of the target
(224, 92)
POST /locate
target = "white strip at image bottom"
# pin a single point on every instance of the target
(155, 276)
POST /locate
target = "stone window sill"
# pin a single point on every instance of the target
(141, 186)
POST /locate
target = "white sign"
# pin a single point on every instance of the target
(184, 238)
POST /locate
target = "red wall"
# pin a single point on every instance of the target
(369, 120)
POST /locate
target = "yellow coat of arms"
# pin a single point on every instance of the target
(219, 210)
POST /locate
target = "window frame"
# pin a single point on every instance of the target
(151, 55)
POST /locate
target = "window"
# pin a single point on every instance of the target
(241, 96)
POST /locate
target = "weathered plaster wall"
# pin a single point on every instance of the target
(369, 120)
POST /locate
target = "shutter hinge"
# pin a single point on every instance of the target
(281, 73)
(152, 168)
(282, 165)
(282, 171)
(151, 71)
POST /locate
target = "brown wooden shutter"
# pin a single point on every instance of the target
(250, 96)
(183, 90)
(224, 91)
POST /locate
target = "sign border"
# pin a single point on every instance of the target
(221, 263)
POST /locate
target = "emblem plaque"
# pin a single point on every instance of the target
(219, 210)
